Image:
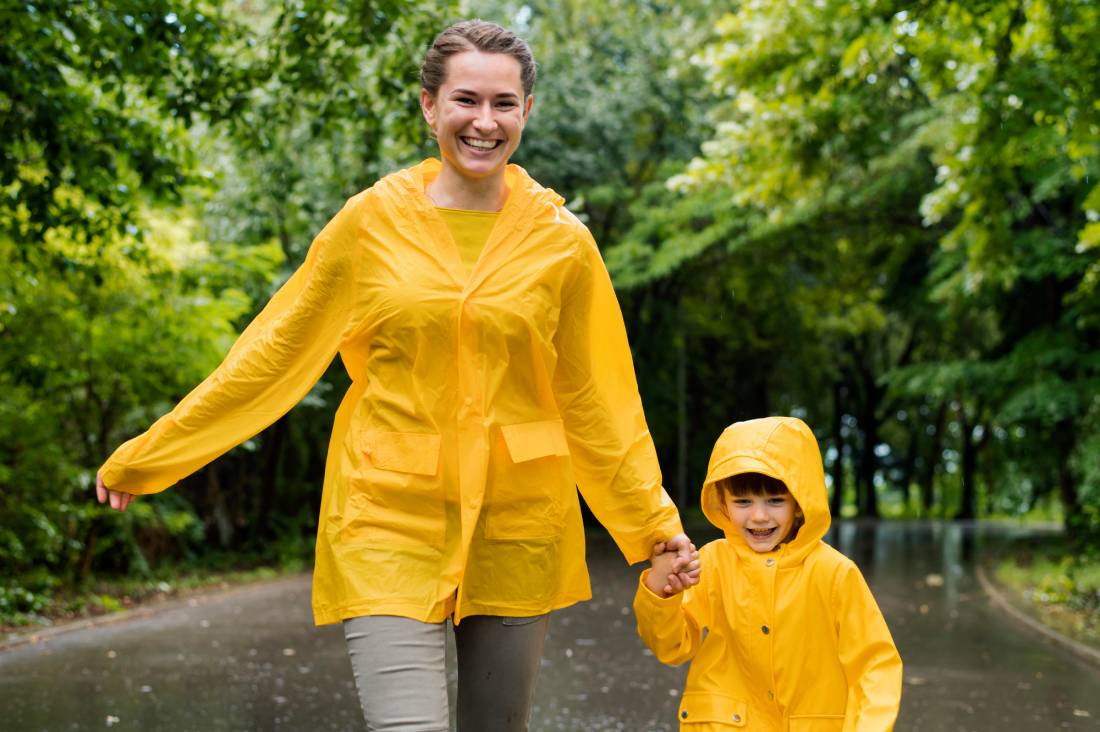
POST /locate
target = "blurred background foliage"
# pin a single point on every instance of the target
(882, 217)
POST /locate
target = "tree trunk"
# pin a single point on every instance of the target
(870, 395)
(679, 342)
(1071, 500)
(220, 513)
(868, 499)
(681, 421)
(971, 446)
(269, 484)
(932, 461)
(836, 502)
(89, 552)
(966, 506)
(908, 470)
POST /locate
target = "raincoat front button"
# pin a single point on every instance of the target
(771, 694)
(765, 630)
(737, 718)
(684, 714)
(769, 562)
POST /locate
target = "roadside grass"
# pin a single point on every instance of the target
(36, 601)
(1057, 582)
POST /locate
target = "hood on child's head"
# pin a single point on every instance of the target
(784, 448)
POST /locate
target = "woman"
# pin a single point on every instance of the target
(490, 375)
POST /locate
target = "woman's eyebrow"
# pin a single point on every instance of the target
(472, 93)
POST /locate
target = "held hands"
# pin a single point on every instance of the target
(119, 500)
(674, 566)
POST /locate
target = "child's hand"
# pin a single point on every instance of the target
(666, 567)
(687, 569)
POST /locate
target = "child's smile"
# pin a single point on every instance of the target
(763, 521)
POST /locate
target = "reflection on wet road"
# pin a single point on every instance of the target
(250, 659)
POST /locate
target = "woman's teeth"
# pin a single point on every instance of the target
(480, 144)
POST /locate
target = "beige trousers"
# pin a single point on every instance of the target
(401, 672)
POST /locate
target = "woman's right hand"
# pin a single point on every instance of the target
(119, 500)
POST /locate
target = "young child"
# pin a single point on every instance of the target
(782, 630)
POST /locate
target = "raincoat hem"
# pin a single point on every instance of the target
(512, 610)
(330, 616)
(414, 611)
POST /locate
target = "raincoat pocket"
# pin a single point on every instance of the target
(714, 710)
(816, 723)
(404, 452)
(528, 488)
(397, 496)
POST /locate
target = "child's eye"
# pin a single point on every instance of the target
(741, 502)
(778, 501)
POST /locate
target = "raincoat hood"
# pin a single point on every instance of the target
(785, 449)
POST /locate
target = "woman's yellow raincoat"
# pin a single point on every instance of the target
(785, 640)
(479, 402)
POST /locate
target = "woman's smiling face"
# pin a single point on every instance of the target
(479, 113)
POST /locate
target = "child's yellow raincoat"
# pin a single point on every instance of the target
(787, 640)
(479, 402)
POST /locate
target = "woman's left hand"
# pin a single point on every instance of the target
(118, 500)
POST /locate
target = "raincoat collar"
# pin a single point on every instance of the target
(783, 448)
(527, 203)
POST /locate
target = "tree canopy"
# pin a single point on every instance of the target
(882, 217)
(925, 176)
(164, 165)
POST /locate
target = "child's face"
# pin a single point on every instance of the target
(763, 521)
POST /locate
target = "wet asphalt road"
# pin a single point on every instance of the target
(250, 658)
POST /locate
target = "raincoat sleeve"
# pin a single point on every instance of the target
(614, 460)
(672, 627)
(273, 364)
(868, 654)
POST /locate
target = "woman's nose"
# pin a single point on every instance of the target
(484, 120)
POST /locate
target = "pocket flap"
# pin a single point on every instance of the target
(817, 722)
(532, 440)
(404, 452)
(709, 708)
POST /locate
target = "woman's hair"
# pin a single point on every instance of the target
(475, 35)
(750, 484)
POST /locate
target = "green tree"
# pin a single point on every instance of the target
(131, 128)
(952, 147)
